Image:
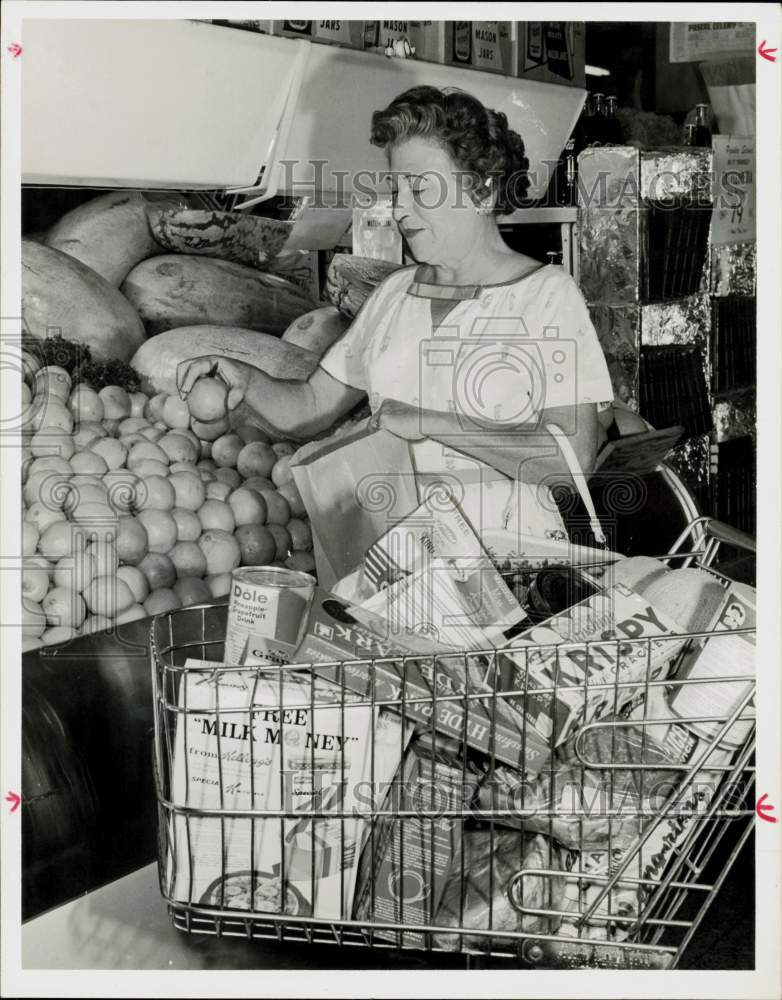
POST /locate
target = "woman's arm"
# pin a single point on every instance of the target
(525, 452)
(293, 408)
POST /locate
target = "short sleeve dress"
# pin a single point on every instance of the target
(501, 353)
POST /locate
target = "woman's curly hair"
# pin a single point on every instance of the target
(477, 138)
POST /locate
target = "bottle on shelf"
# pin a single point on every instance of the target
(689, 134)
(612, 127)
(598, 133)
(580, 139)
(702, 130)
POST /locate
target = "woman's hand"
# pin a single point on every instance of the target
(237, 375)
(398, 418)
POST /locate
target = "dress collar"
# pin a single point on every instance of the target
(429, 290)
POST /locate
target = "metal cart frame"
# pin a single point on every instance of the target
(652, 933)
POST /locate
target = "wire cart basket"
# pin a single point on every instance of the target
(430, 839)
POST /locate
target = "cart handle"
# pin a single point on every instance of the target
(715, 533)
(726, 533)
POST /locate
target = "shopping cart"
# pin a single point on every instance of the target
(614, 878)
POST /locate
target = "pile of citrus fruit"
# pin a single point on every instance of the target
(135, 506)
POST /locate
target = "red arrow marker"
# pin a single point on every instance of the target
(15, 50)
(767, 54)
(14, 799)
(762, 809)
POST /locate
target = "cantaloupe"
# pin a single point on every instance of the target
(176, 290)
(236, 236)
(157, 360)
(111, 233)
(351, 280)
(317, 330)
(61, 294)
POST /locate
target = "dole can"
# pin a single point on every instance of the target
(268, 609)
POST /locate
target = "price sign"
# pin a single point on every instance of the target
(733, 215)
(693, 41)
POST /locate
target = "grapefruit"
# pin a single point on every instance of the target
(116, 402)
(208, 399)
(160, 527)
(219, 584)
(247, 506)
(257, 546)
(216, 514)
(89, 463)
(158, 569)
(188, 559)
(178, 448)
(255, 459)
(160, 601)
(277, 509)
(85, 404)
(229, 476)
(221, 550)
(159, 494)
(282, 540)
(192, 590)
(188, 527)
(63, 606)
(175, 412)
(108, 595)
(217, 490)
(301, 536)
(136, 581)
(189, 490)
(132, 542)
(209, 430)
(225, 450)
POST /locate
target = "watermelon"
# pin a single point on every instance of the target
(176, 290)
(60, 294)
(317, 330)
(110, 233)
(236, 236)
(157, 360)
(351, 280)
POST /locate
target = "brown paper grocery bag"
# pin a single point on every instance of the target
(354, 485)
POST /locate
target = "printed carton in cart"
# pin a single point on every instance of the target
(406, 862)
(589, 661)
(434, 688)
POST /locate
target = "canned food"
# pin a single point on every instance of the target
(267, 614)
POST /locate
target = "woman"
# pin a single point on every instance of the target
(483, 358)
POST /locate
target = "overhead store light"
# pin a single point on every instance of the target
(596, 71)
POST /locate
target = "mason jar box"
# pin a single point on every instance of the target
(484, 45)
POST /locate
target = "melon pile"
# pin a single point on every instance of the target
(137, 505)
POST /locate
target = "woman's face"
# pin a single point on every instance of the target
(432, 204)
